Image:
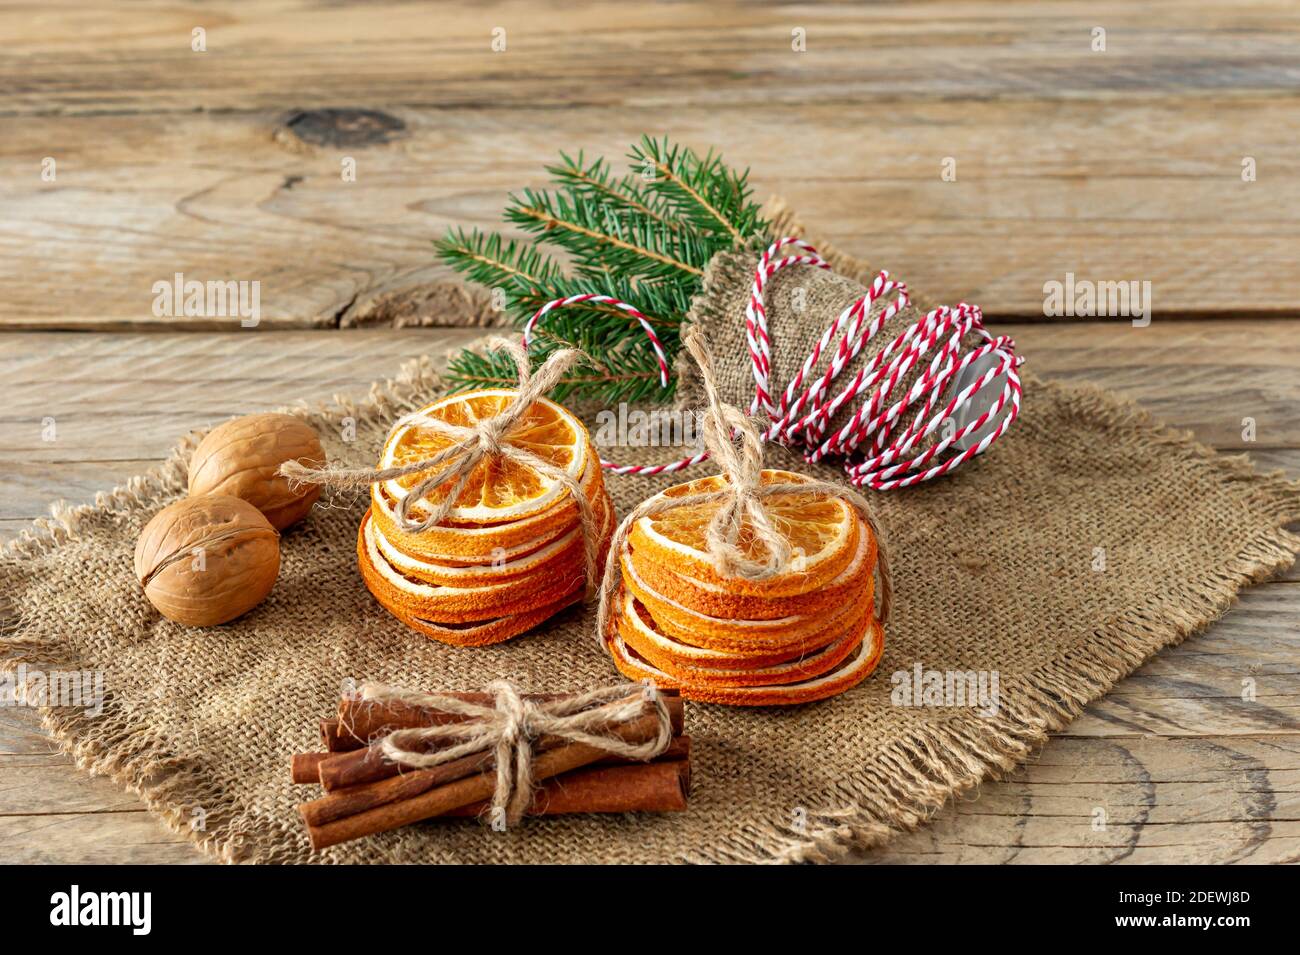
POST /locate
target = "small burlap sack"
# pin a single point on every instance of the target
(992, 568)
(801, 303)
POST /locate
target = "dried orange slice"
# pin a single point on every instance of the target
(444, 604)
(822, 532)
(720, 600)
(739, 636)
(558, 555)
(849, 673)
(764, 668)
(485, 543)
(487, 632)
(499, 490)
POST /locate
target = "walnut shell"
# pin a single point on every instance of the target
(206, 560)
(242, 458)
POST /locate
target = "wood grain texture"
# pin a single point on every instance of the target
(226, 165)
(1208, 799)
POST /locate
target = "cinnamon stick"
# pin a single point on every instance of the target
(361, 722)
(360, 766)
(333, 739)
(351, 800)
(363, 779)
(471, 789)
(356, 799)
(305, 767)
(637, 787)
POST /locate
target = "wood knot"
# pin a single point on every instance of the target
(344, 127)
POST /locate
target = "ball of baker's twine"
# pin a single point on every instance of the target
(879, 441)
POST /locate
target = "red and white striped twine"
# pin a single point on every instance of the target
(880, 434)
(604, 300)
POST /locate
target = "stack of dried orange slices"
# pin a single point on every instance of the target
(511, 552)
(806, 634)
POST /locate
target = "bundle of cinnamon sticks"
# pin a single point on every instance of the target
(366, 792)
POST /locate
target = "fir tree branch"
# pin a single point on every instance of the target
(645, 242)
(557, 221)
(597, 181)
(704, 191)
(493, 261)
(665, 170)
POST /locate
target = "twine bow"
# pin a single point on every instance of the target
(454, 464)
(509, 727)
(740, 499)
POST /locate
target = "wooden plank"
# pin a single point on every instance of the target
(1208, 377)
(113, 397)
(1206, 800)
(127, 60)
(130, 837)
(51, 812)
(21, 733)
(326, 251)
(1240, 677)
(202, 163)
(70, 792)
(1204, 376)
(33, 486)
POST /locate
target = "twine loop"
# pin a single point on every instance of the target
(454, 464)
(511, 725)
(740, 500)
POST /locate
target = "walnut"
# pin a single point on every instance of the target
(243, 457)
(206, 560)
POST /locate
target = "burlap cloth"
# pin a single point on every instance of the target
(994, 571)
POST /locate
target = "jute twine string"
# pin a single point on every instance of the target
(509, 727)
(741, 499)
(454, 464)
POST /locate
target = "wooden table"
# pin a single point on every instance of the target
(1118, 164)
